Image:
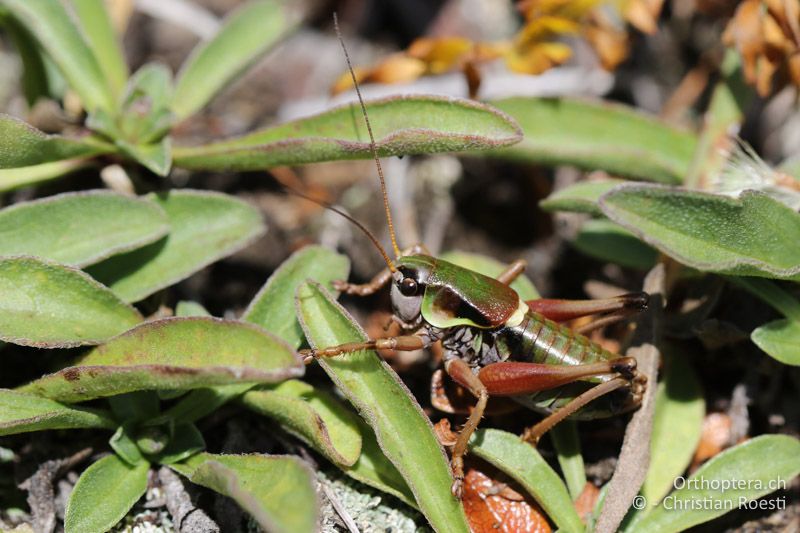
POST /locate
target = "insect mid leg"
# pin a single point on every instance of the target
(512, 272)
(364, 289)
(462, 374)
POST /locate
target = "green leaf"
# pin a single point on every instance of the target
(102, 39)
(21, 413)
(753, 235)
(277, 491)
(402, 126)
(581, 197)
(52, 26)
(157, 157)
(762, 465)
(522, 462)
(680, 408)
(124, 445)
(48, 305)
(245, 35)
(186, 441)
(606, 241)
(313, 415)
(568, 447)
(35, 79)
(133, 406)
(403, 431)
(15, 178)
(22, 145)
(491, 267)
(145, 117)
(205, 227)
(80, 228)
(594, 136)
(173, 353)
(779, 339)
(770, 292)
(201, 402)
(269, 310)
(189, 308)
(373, 468)
(104, 494)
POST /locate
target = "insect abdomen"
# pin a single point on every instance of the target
(540, 340)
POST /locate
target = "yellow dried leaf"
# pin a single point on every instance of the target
(397, 68)
(773, 34)
(345, 81)
(537, 59)
(441, 54)
(643, 14)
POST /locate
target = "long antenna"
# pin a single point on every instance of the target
(371, 139)
(326, 205)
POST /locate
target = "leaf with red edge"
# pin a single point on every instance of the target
(174, 353)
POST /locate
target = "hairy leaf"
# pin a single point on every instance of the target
(780, 339)
(568, 447)
(246, 34)
(595, 136)
(104, 494)
(80, 228)
(15, 178)
(581, 197)
(373, 468)
(173, 353)
(403, 431)
(268, 308)
(22, 145)
(402, 126)
(763, 464)
(606, 241)
(680, 408)
(313, 415)
(277, 491)
(155, 157)
(522, 462)
(204, 228)
(102, 39)
(52, 26)
(189, 308)
(753, 235)
(21, 413)
(49, 305)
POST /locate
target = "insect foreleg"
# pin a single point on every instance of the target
(403, 342)
(462, 374)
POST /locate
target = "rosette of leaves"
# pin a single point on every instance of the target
(131, 118)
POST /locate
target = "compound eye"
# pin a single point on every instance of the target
(408, 287)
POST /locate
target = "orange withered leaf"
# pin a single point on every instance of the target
(494, 507)
(767, 37)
